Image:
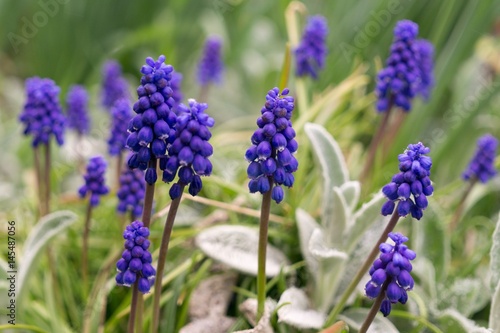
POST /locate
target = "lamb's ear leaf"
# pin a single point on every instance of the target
(453, 321)
(355, 317)
(495, 258)
(294, 308)
(236, 246)
(494, 322)
(306, 225)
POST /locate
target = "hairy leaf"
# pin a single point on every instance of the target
(295, 309)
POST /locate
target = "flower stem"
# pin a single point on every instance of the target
(375, 308)
(376, 141)
(461, 205)
(39, 184)
(165, 239)
(47, 178)
(393, 131)
(202, 98)
(261, 272)
(133, 308)
(362, 271)
(85, 249)
(146, 220)
(119, 167)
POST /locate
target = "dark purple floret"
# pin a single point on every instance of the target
(121, 113)
(131, 192)
(42, 115)
(211, 66)
(482, 165)
(412, 181)
(390, 273)
(426, 66)
(273, 145)
(188, 154)
(77, 107)
(94, 185)
(153, 128)
(135, 263)
(399, 81)
(311, 53)
(114, 86)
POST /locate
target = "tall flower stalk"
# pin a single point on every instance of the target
(406, 195)
(481, 168)
(272, 165)
(210, 66)
(151, 130)
(42, 118)
(188, 159)
(408, 72)
(93, 188)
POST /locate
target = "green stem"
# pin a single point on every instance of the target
(85, 249)
(374, 145)
(374, 309)
(39, 183)
(165, 239)
(47, 178)
(261, 272)
(119, 162)
(362, 271)
(461, 205)
(420, 319)
(148, 198)
(133, 308)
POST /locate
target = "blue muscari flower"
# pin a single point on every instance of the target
(311, 53)
(77, 106)
(426, 67)
(210, 66)
(273, 144)
(390, 273)
(188, 154)
(94, 180)
(482, 165)
(152, 129)
(135, 263)
(399, 81)
(131, 191)
(42, 115)
(412, 180)
(121, 113)
(114, 86)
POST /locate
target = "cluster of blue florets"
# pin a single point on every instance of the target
(210, 66)
(77, 109)
(152, 129)
(188, 154)
(311, 53)
(94, 180)
(408, 69)
(273, 144)
(131, 192)
(121, 114)
(412, 180)
(482, 165)
(114, 86)
(390, 273)
(42, 115)
(135, 263)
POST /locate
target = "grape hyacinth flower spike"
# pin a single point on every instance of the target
(131, 192)
(42, 118)
(114, 86)
(120, 117)
(271, 158)
(77, 106)
(188, 155)
(272, 165)
(482, 165)
(311, 53)
(481, 168)
(390, 277)
(398, 82)
(135, 263)
(426, 67)
(412, 181)
(152, 129)
(188, 158)
(210, 66)
(94, 187)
